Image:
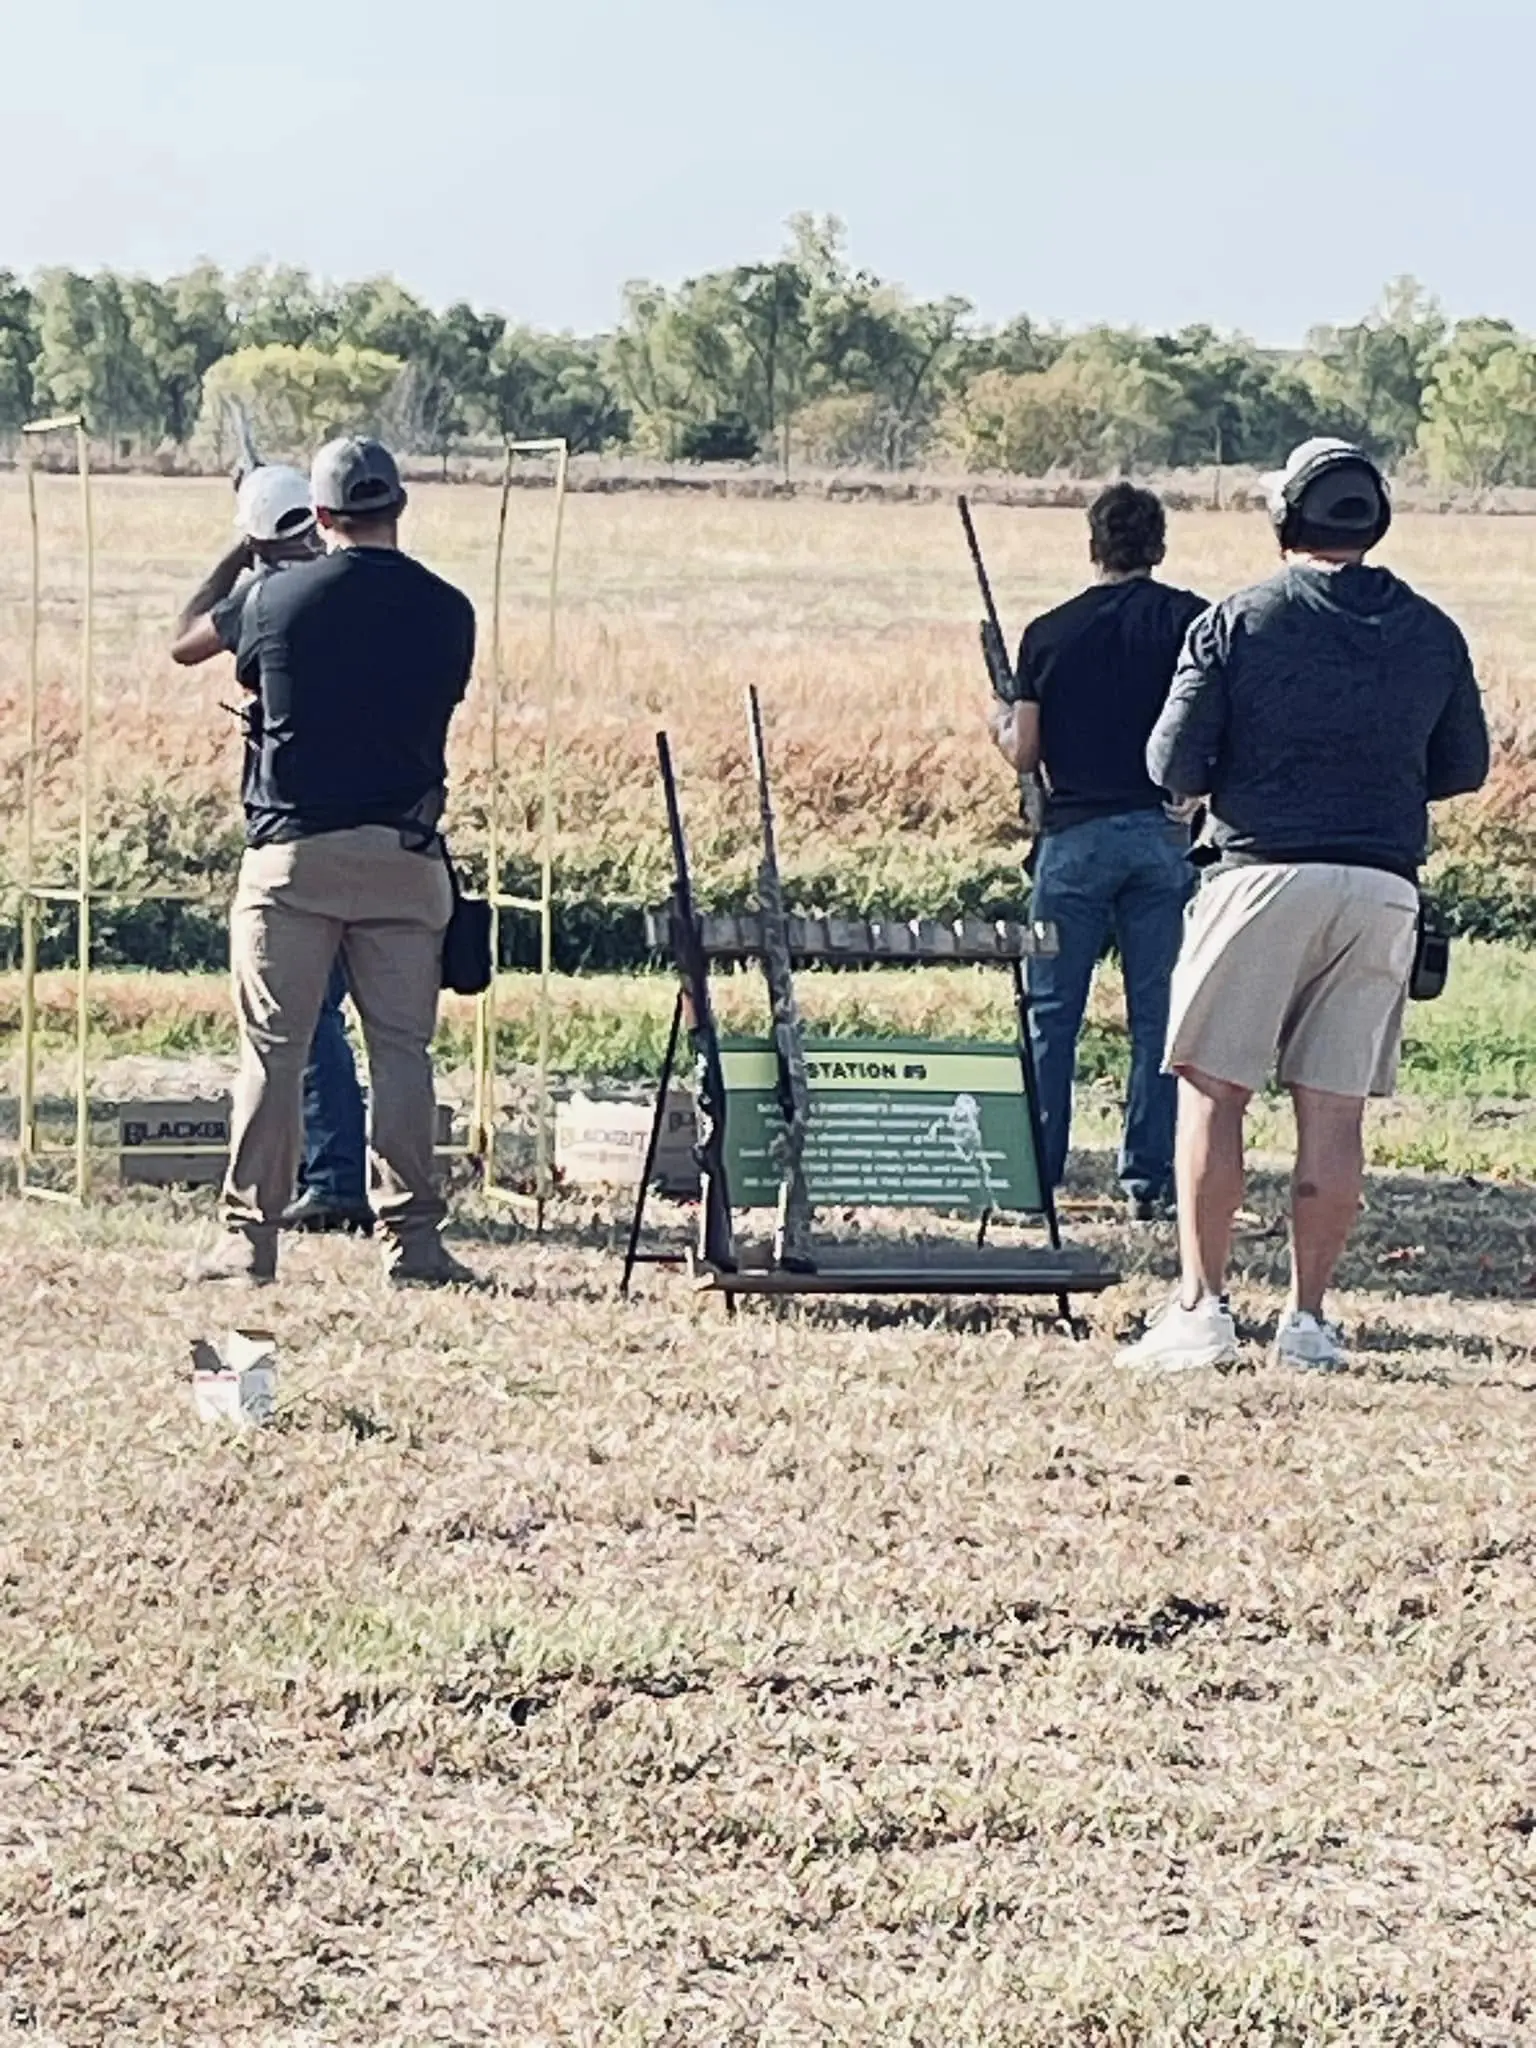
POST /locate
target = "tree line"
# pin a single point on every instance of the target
(804, 359)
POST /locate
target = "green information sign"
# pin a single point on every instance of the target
(905, 1123)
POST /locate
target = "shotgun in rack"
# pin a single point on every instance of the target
(716, 1237)
(792, 1237)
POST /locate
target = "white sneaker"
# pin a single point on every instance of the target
(1308, 1341)
(1184, 1339)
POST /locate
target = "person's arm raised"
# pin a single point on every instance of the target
(197, 638)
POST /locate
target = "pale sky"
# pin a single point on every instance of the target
(1255, 165)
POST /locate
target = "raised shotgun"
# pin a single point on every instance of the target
(245, 440)
(792, 1236)
(1000, 671)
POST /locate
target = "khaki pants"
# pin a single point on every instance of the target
(1301, 968)
(361, 894)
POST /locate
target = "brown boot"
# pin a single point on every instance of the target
(424, 1262)
(239, 1254)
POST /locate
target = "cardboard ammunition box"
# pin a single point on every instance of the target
(602, 1144)
(162, 1144)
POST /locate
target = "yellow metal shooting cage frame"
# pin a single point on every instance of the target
(35, 892)
(482, 1144)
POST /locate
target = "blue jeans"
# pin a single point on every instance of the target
(1128, 876)
(335, 1164)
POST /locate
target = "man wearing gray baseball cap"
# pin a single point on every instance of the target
(356, 663)
(1321, 712)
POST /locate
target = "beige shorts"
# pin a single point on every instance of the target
(1301, 968)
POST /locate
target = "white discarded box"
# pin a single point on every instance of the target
(239, 1384)
(152, 1136)
(602, 1144)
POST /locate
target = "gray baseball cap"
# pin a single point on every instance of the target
(355, 475)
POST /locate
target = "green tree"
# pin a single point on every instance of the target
(1370, 379)
(1133, 408)
(1479, 424)
(18, 352)
(91, 360)
(1104, 405)
(168, 349)
(380, 314)
(766, 308)
(872, 340)
(1018, 346)
(298, 397)
(1242, 404)
(281, 303)
(729, 345)
(455, 374)
(541, 386)
(183, 335)
(654, 370)
(1015, 420)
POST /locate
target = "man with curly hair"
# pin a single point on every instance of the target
(1111, 861)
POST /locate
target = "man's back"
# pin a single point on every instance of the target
(359, 660)
(1321, 711)
(1099, 667)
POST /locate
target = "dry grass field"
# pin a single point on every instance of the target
(856, 621)
(555, 1671)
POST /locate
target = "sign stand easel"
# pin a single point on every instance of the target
(905, 1123)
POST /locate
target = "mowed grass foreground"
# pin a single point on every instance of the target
(554, 1671)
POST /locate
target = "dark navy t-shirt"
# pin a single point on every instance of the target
(1099, 667)
(356, 662)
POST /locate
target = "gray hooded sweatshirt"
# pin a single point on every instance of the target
(1321, 712)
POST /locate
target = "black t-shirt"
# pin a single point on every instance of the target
(356, 662)
(1099, 667)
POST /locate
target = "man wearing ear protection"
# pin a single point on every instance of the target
(1320, 713)
(275, 520)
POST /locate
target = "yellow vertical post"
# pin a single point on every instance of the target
(33, 891)
(84, 860)
(541, 1168)
(27, 1135)
(485, 1013)
(540, 906)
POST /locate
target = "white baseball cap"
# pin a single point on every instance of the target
(1337, 484)
(274, 503)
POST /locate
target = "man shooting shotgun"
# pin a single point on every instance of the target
(275, 521)
(1002, 718)
(1110, 860)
